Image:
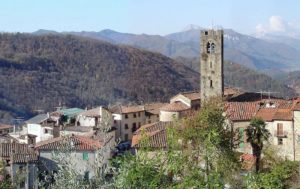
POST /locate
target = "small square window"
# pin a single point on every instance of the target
(206, 33)
(280, 141)
(126, 116)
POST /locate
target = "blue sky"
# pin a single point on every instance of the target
(149, 16)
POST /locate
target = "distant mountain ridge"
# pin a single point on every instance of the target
(264, 55)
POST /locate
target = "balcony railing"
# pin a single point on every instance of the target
(280, 134)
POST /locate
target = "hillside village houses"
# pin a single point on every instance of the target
(85, 133)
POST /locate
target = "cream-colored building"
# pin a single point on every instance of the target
(279, 116)
(127, 119)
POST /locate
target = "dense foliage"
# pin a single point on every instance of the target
(38, 72)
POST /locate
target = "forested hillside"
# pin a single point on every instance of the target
(39, 72)
(236, 75)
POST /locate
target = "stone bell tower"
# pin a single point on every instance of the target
(211, 66)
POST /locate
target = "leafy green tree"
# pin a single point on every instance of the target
(199, 155)
(257, 134)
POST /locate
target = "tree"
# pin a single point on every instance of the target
(198, 155)
(257, 134)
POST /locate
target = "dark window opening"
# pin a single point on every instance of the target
(126, 116)
(134, 115)
(208, 47)
(139, 114)
(206, 33)
(126, 126)
(211, 84)
(280, 141)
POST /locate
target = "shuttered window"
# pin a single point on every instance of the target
(242, 138)
(85, 156)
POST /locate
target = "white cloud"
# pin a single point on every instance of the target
(277, 25)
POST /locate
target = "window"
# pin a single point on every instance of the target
(208, 47)
(86, 175)
(133, 127)
(126, 126)
(139, 114)
(126, 137)
(212, 48)
(206, 33)
(241, 138)
(134, 115)
(115, 121)
(46, 131)
(85, 156)
(211, 83)
(280, 141)
(279, 129)
(126, 116)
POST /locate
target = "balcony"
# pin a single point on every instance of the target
(282, 134)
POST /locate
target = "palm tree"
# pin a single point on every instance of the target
(256, 135)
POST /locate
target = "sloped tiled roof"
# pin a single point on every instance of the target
(95, 112)
(17, 153)
(153, 108)
(297, 107)
(175, 107)
(192, 95)
(241, 111)
(156, 133)
(4, 126)
(283, 114)
(70, 143)
(267, 114)
(119, 109)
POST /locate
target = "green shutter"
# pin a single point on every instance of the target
(85, 156)
(241, 135)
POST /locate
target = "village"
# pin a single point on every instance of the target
(80, 134)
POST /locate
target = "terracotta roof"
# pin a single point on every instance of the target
(297, 107)
(120, 109)
(70, 142)
(175, 107)
(4, 126)
(192, 95)
(153, 108)
(17, 153)
(156, 133)
(283, 114)
(95, 112)
(241, 111)
(229, 91)
(267, 114)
